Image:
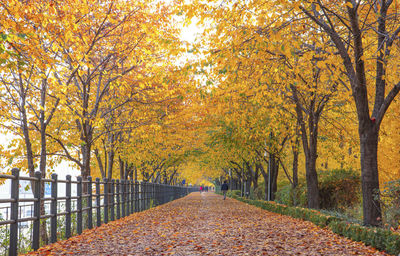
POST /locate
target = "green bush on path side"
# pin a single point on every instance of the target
(379, 238)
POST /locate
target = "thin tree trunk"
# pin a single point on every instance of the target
(309, 141)
(100, 163)
(42, 167)
(121, 169)
(28, 144)
(295, 167)
(274, 176)
(265, 176)
(111, 155)
(85, 169)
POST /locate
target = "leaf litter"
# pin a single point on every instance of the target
(205, 224)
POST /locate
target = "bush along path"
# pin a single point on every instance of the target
(380, 238)
(205, 224)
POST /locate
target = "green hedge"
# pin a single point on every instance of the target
(381, 239)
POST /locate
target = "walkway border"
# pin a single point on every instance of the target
(379, 238)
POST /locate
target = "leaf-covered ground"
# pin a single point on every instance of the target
(204, 224)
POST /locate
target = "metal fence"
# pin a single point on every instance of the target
(91, 204)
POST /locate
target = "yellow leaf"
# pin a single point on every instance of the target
(349, 4)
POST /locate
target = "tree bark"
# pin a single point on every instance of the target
(295, 167)
(295, 164)
(100, 163)
(370, 178)
(309, 141)
(274, 176)
(85, 168)
(111, 155)
(265, 176)
(121, 169)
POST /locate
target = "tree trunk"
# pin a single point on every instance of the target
(136, 174)
(265, 176)
(28, 144)
(43, 157)
(85, 169)
(255, 176)
(309, 140)
(370, 177)
(274, 176)
(100, 163)
(311, 171)
(295, 167)
(312, 184)
(121, 169)
(110, 163)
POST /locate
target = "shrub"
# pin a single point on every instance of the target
(284, 195)
(379, 238)
(234, 192)
(390, 202)
(259, 192)
(337, 189)
(292, 197)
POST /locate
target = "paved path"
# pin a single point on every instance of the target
(207, 225)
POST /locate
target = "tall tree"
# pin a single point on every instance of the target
(364, 34)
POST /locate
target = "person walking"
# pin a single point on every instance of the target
(224, 188)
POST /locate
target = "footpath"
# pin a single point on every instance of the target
(205, 224)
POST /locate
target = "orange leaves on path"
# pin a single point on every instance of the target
(207, 225)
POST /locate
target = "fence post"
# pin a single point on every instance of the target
(112, 199)
(13, 249)
(118, 190)
(53, 209)
(79, 205)
(146, 192)
(158, 192)
(105, 200)
(122, 187)
(153, 193)
(36, 211)
(132, 195)
(146, 196)
(68, 207)
(127, 187)
(159, 202)
(98, 210)
(136, 196)
(90, 203)
(127, 197)
(142, 195)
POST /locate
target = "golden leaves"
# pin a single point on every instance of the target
(208, 225)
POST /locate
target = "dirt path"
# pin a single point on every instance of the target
(207, 225)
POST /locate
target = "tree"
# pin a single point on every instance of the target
(364, 33)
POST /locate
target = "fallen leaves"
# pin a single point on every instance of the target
(207, 225)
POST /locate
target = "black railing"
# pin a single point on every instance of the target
(110, 199)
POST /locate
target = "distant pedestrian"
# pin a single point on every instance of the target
(224, 188)
(201, 189)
